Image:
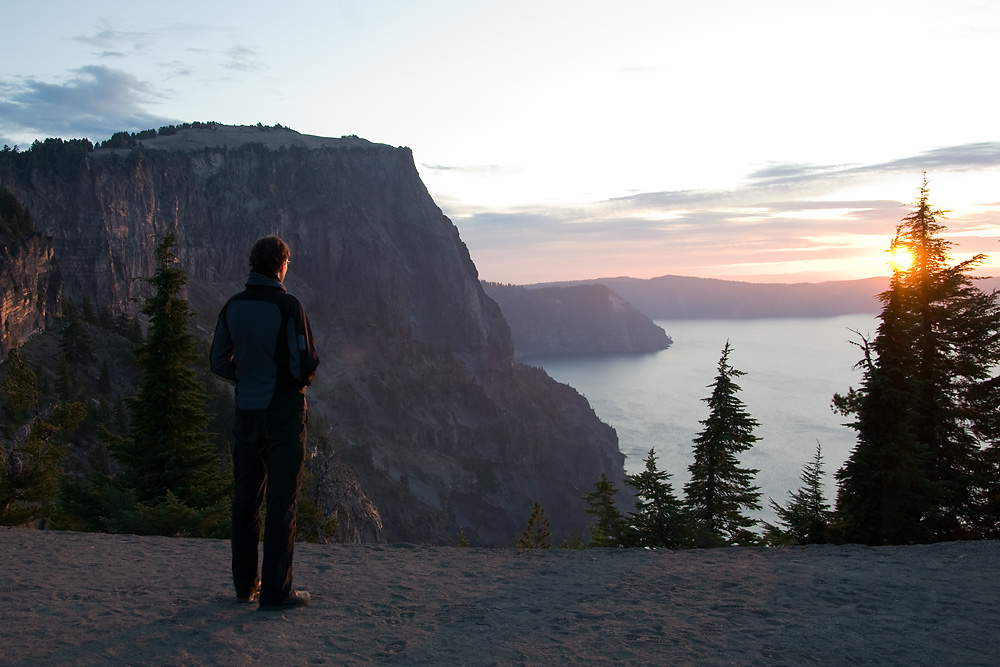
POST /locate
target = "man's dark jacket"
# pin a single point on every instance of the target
(263, 343)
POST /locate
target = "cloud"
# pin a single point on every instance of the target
(487, 169)
(243, 58)
(964, 157)
(170, 47)
(982, 155)
(95, 102)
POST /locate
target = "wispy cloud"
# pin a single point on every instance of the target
(95, 102)
(964, 157)
(484, 169)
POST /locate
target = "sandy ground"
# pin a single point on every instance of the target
(89, 599)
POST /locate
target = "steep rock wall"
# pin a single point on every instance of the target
(29, 289)
(440, 425)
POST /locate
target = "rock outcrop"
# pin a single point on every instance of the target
(577, 319)
(442, 428)
(29, 289)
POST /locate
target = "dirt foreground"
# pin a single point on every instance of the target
(89, 599)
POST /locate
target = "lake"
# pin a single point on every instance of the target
(793, 367)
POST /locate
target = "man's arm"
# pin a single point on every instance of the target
(302, 358)
(221, 357)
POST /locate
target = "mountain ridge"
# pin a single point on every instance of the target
(682, 297)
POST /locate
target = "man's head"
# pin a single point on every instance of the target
(268, 256)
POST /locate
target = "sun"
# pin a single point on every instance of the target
(900, 258)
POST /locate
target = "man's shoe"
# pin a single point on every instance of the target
(295, 599)
(254, 594)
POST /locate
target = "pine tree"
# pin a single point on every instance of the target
(806, 518)
(170, 467)
(33, 467)
(74, 341)
(538, 534)
(19, 391)
(928, 400)
(719, 490)
(660, 519)
(883, 491)
(608, 529)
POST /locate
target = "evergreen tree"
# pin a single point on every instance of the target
(719, 490)
(928, 400)
(15, 221)
(33, 466)
(74, 341)
(170, 467)
(89, 312)
(538, 534)
(19, 392)
(660, 519)
(883, 491)
(807, 517)
(608, 529)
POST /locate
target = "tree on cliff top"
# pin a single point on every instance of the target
(171, 469)
(660, 518)
(719, 490)
(538, 533)
(609, 528)
(927, 405)
(807, 517)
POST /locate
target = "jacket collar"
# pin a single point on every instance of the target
(263, 280)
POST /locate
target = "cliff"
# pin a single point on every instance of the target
(574, 319)
(439, 424)
(29, 288)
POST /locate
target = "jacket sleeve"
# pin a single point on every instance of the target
(221, 357)
(303, 358)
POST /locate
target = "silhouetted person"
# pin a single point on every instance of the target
(263, 343)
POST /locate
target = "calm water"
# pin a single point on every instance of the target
(793, 367)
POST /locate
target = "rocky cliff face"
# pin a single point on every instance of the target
(441, 427)
(29, 289)
(578, 319)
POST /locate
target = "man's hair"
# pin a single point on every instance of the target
(268, 254)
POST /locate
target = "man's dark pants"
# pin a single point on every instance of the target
(268, 451)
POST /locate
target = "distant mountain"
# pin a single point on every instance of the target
(574, 319)
(677, 297)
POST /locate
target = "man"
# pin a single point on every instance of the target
(263, 343)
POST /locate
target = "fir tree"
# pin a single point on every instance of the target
(170, 467)
(538, 534)
(883, 490)
(807, 517)
(660, 519)
(19, 391)
(928, 400)
(75, 342)
(33, 467)
(719, 490)
(608, 529)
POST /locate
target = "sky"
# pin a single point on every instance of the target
(767, 141)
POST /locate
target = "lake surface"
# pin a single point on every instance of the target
(793, 367)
